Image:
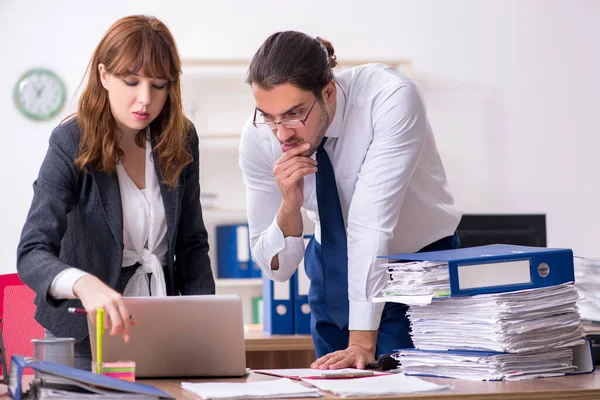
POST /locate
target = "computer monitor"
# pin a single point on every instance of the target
(519, 229)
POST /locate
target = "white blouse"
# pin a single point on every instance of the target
(144, 237)
(144, 231)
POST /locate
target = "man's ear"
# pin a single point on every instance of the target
(329, 92)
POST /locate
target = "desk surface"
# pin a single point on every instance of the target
(579, 387)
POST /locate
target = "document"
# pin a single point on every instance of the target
(482, 366)
(587, 282)
(300, 373)
(278, 388)
(415, 283)
(514, 322)
(389, 384)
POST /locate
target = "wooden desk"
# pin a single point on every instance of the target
(580, 387)
(278, 351)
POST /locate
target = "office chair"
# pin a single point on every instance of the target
(18, 325)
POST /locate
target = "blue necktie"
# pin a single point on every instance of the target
(334, 248)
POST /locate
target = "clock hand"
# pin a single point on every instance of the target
(36, 90)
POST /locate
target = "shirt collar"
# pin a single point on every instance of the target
(335, 129)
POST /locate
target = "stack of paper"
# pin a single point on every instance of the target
(587, 282)
(478, 366)
(532, 332)
(515, 322)
(416, 282)
(382, 385)
(279, 388)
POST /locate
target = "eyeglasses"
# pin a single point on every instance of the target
(288, 123)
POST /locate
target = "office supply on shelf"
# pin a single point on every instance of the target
(388, 384)
(279, 388)
(257, 310)
(475, 270)
(309, 373)
(233, 252)
(55, 377)
(278, 306)
(301, 286)
(187, 336)
(99, 339)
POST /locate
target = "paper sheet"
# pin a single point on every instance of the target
(278, 388)
(376, 386)
(299, 373)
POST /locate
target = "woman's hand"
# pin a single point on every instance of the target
(95, 294)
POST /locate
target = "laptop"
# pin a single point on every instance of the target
(177, 336)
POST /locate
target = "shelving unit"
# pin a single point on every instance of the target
(218, 101)
(236, 283)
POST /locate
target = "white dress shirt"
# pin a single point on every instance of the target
(391, 183)
(144, 237)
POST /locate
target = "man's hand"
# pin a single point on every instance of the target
(360, 352)
(95, 294)
(353, 357)
(289, 172)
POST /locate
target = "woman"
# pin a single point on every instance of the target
(116, 206)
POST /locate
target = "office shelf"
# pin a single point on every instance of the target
(240, 282)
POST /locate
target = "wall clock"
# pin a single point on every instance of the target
(39, 94)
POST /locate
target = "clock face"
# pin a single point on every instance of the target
(39, 94)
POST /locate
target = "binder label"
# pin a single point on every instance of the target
(303, 281)
(492, 274)
(243, 245)
(281, 290)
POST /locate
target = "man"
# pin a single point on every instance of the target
(357, 153)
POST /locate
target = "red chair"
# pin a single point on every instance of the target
(16, 312)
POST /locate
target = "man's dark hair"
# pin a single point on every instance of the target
(295, 58)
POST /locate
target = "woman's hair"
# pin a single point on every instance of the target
(294, 58)
(132, 44)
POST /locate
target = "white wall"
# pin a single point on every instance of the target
(512, 87)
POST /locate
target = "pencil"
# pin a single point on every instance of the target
(82, 311)
(99, 337)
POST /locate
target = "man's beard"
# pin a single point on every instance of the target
(320, 132)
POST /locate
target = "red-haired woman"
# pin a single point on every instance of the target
(116, 208)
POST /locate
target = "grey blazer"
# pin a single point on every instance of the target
(76, 220)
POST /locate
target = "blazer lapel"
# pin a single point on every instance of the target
(110, 197)
(169, 199)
